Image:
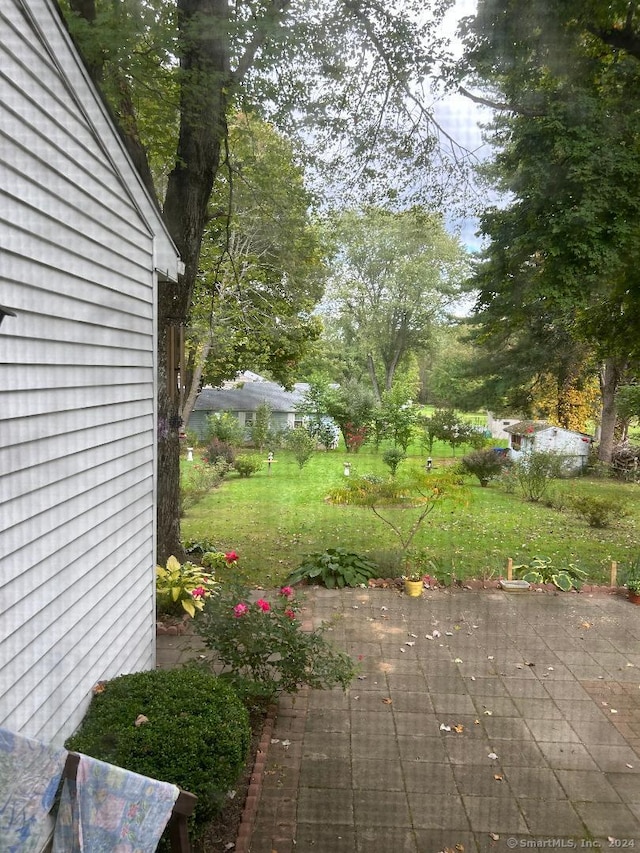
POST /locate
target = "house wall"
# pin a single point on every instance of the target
(565, 443)
(77, 399)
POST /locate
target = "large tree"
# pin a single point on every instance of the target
(394, 274)
(261, 265)
(560, 272)
(171, 70)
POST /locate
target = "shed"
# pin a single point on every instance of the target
(242, 398)
(529, 436)
(83, 250)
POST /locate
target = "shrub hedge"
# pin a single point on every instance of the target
(196, 737)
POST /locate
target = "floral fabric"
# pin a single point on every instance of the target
(111, 810)
(30, 773)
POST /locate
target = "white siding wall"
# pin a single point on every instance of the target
(77, 388)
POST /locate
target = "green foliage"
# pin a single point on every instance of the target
(226, 428)
(417, 494)
(198, 480)
(247, 465)
(535, 472)
(196, 735)
(351, 405)
(182, 588)
(542, 570)
(261, 427)
(335, 567)
(484, 464)
(632, 576)
(599, 511)
(392, 457)
(263, 647)
(301, 444)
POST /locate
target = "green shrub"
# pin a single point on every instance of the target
(220, 452)
(226, 428)
(392, 457)
(484, 464)
(196, 736)
(335, 567)
(535, 471)
(198, 481)
(247, 465)
(598, 511)
(264, 648)
(301, 445)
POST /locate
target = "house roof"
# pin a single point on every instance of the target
(532, 427)
(248, 396)
(527, 427)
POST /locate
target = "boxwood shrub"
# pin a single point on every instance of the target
(197, 735)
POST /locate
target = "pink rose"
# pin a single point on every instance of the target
(198, 592)
(231, 557)
(263, 605)
(286, 591)
(240, 609)
(289, 612)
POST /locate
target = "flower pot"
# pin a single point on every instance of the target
(413, 588)
(634, 597)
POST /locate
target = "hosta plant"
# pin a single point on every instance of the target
(182, 588)
(335, 567)
(541, 570)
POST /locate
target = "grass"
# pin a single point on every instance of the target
(273, 519)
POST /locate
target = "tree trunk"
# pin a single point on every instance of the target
(610, 374)
(196, 377)
(374, 378)
(205, 75)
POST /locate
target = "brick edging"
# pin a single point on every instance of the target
(250, 810)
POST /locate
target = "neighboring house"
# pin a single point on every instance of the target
(497, 426)
(243, 398)
(83, 249)
(528, 436)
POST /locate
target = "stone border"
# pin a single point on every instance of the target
(247, 821)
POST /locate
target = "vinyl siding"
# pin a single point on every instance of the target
(79, 245)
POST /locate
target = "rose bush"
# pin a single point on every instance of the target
(262, 646)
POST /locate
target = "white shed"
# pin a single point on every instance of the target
(528, 436)
(83, 247)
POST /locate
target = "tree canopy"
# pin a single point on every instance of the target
(557, 290)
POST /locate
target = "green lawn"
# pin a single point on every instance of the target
(271, 520)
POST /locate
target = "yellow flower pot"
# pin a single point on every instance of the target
(413, 588)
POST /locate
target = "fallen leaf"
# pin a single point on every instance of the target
(529, 663)
(355, 698)
(494, 836)
(473, 678)
(459, 728)
(613, 710)
(428, 637)
(449, 633)
(286, 744)
(489, 657)
(476, 722)
(141, 720)
(387, 701)
(630, 664)
(99, 687)
(403, 650)
(384, 608)
(444, 728)
(460, 848)
(488, 713)
(519, 666)
(436, 633)
(458, 660)
(498, 777)
(492, 756)
(409, 643)
(361, 677)
(630, 766)
(550, 669)
(456, 627)
(275, 740)
(415, 636)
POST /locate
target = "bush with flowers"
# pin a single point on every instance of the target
(262, 647)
